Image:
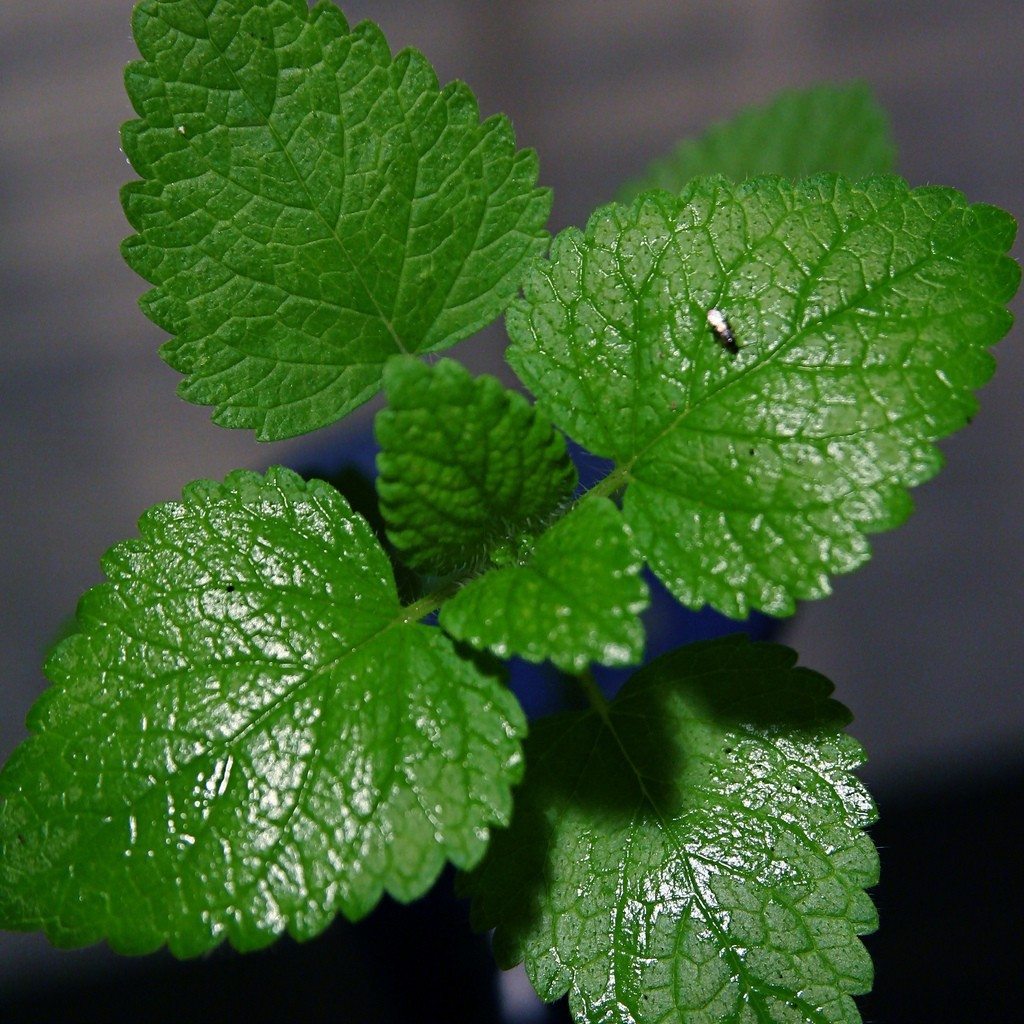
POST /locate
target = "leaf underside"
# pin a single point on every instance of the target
(466, 466)
(574, 600)
(311, 205)
(695, 853)
(862, 314)
(247, 735)
(827, 128)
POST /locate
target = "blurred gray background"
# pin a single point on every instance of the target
(925, 644)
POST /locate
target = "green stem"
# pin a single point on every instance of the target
(595, 698)
(430, 603)
(606, 488)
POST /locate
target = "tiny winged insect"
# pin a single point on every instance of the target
(722, 331)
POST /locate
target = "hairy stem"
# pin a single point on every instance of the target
(431, 602)
(609, 485)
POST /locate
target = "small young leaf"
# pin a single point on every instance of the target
(247, 734)
(861, 315)
(574, 600)
(836, 128)
(465, 465)
(311, 205)
(692, 852)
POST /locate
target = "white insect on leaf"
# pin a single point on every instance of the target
(722, 330)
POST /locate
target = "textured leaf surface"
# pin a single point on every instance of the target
(576, 599)
(311, 205)
(693, 852)
(247, 734)
(862, 315)
(465, 465)
(837, 128)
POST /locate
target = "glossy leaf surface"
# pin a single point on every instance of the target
(838, 128)
(466, 466)
(311, 205)
(247, 734)
(574, 600)
(862, 314)
(692, 852)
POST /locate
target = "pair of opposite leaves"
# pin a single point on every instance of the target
(311, 206)
(272, 777)
(281, 740)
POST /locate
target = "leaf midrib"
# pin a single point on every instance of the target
(622, 471)
(753, 987)
(314, 208)
(226, 744)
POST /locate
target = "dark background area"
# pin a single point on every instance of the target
(925, 644)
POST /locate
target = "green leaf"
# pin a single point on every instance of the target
(862, 315)
(311, 205)
(466, 466)
(692, 852)
(247, 734)
(574, 600)
(836, 128)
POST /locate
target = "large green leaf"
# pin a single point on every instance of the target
(574, 599)
(692, 852)
(311, 205)
(247, 734)
(836, 128)
(862, 315)
(466, 466)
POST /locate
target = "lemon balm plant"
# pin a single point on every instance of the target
(248, 732)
